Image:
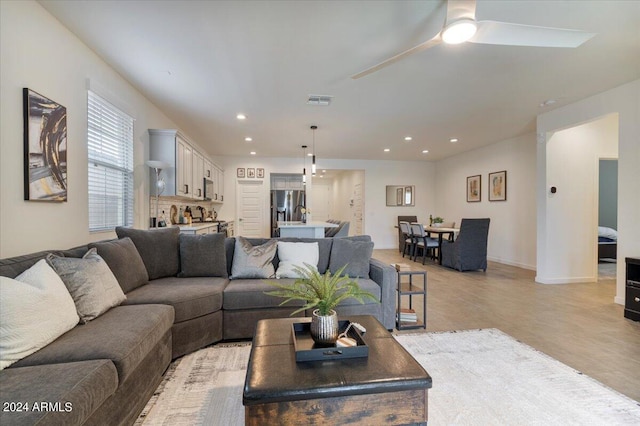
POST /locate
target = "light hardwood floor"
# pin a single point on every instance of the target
(577, 324)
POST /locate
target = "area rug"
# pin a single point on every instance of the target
(480, 377)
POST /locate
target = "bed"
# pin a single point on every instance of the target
(607, 243)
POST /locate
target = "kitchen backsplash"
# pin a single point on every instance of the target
(165, 204)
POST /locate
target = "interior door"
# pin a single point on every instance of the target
(357, 211)
(250, 207)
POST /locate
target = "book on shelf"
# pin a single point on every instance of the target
(402, 267)
(408, 315)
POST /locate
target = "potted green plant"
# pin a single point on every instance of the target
(437, 221)
(322, 293)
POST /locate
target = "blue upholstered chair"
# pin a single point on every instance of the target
(422, 242)
(469, 251)
(407, 239)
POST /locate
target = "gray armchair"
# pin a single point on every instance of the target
(469, 251)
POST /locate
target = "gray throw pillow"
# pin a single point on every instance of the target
(253, 261)
(90, 282)
(124, 261)
(159, 249)
(356, 254)
(202, 256)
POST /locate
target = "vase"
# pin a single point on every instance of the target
(324, 328)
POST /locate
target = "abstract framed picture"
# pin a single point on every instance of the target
(498, 186)
(240, 172)
(45, 148)
(474, 189)
(251, 173)
(260, 173)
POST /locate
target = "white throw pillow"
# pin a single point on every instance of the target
(35, 309)
(296, 254)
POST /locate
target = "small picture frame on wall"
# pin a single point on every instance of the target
(260, 173)
(240, 172)
(474, 189)
(45, 148)
(251, 173)
(498, 186)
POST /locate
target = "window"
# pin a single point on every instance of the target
(110, 148)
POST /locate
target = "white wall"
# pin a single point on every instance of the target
(41, 54)
(379, 220)
(572, 212)
(624, 100)
(512, 230)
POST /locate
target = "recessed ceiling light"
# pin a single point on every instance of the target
(310, 154)
(387, 150)
(248, 139)
(408, 138)
(453, 140)
(252, 153)
(241, 116)
(425, 151)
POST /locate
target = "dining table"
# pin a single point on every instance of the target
(441, 232)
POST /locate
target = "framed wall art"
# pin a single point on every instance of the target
(498, 186)
(251, 173)
(474, 189)
(260, 173)
(240, 172)
(45, 148)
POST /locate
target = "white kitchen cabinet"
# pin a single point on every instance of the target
(287, 182)
(208, 169)
(198, 176)
(184, 168)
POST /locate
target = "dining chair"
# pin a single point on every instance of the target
(469, 251)
(407, 238)
(423, 242)
(408, 219)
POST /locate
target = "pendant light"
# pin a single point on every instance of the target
(313, 158)
(304, 164)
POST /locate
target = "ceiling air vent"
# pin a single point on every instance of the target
(323, 100)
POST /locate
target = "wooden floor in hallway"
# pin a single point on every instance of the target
(577, 324)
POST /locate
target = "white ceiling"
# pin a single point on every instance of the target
(202, 62)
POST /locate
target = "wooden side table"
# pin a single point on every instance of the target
(409, 287)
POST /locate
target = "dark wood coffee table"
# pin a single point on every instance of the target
(387, 387)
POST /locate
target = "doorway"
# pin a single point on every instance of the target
(571, 224)
(250, 201)
(607, 218)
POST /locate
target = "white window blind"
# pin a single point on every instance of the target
(110, 147)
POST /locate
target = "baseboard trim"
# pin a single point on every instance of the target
(510, 263)
(565, 280)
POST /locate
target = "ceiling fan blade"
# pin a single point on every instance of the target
(503, 33)
(423, 46)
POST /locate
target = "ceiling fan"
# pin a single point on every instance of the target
(461, 26)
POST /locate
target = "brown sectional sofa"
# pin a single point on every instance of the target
(104, 372)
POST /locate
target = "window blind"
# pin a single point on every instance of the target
(110, 152)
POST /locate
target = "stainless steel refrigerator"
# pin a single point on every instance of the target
(285, 206)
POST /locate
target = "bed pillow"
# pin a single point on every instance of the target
(90, 282)
(159, 249)
(124, 261)
(202, 256)
(606, 232)
(296, 254)
(35, 309)
(253, 261)
(356, 254)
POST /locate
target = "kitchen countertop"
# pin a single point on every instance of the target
(295, 224)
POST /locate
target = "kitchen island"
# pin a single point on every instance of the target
(304, 230)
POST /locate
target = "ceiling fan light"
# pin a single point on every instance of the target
(459, 31)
